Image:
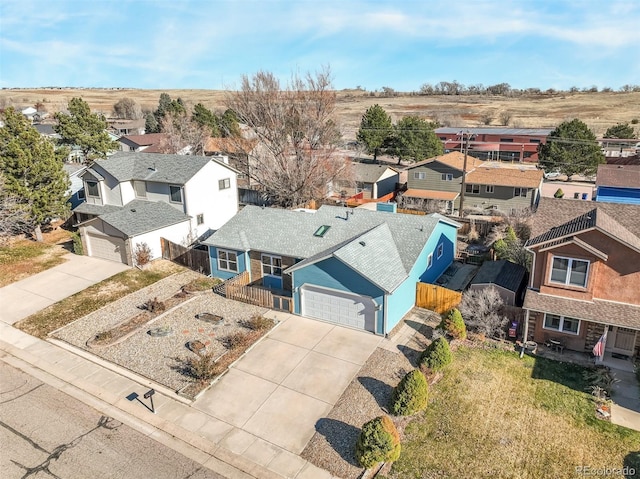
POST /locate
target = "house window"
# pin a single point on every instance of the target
(472, 189)
(227, 260)
(561, 324)
(81, 194)
(175, 193)
(429, 260)
(440, 251)
(200, 219)
(447, 177)
(488, 189)
(224, 184)
(140, 188)
(92, 189)
(520, 192)
(419, 175)
(271, 265)
(534, 140)
(569, 271)
(506, 140)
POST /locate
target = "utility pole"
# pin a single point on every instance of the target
(464, 170)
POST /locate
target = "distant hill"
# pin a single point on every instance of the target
(599, 110)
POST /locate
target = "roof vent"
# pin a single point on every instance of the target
(133, 210)
(362, 243)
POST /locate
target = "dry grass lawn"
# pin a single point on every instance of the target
(23, 257)
(94, 297)
(598, 110)
(494, 415)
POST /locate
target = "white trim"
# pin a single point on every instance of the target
(429, 260)
(227, 260)
(489, 188)
(440, 251)
(419, 175)
(181, 195)
(568, 274)
(87, 193)
(562, 318)
(270, 265)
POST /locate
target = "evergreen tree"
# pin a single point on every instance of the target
(85, 130)
(414, 139)
(571, 149)
(375, 129)
(229, 124)
(33, 175)
(151, 125)
(206, 118)
(621, 130)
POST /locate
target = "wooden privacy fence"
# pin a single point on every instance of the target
(238, 288)
(436, 298)
(195, 259)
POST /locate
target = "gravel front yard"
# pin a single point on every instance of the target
(156, 357)
(332, 447)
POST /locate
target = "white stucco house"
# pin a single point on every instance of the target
(131, 198)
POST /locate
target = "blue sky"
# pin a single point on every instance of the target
(400, 44)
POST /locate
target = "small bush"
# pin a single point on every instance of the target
(238, 340)
(104, 336)
(379, 441)
(437, 355)
(202, 367)
(142, 254)
(453, 324)
(77, 243)
(559, 193)
(410, 395)
(154, 306)
(258, 323)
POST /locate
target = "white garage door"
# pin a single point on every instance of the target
(338, 307)
(107, 247)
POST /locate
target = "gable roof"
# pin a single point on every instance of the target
(454, 160)
(500, 176)
(144, 140)
(229, 145)
(558, 218)
(392, 242)
(154, 166)
(139, 216)
(621, 176)
(369, 173)
(501, 273)
(497, 131)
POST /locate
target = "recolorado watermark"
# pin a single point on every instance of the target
(590, 471)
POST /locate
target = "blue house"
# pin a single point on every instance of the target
(357, 268)
(618, 184)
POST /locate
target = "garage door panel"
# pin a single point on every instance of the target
(107, 247)
(347, 309)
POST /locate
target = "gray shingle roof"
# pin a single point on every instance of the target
(604, 312)
(621, 176)
(139, 216)
(393, 241)
(502, 273)
(89, 209)
(368, 173)
(153, 166)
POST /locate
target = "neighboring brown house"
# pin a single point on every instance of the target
(238, 151)
(126, 127)
(149, 143)
(585, 275)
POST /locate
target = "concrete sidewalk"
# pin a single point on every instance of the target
(32, 294)
(186, 429)
(625, 410)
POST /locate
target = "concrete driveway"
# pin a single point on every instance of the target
(30, 295)
(286, 383)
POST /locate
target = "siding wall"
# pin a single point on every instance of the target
(334, 274)
(387, 184)
(433, 178)
(502, 198)
(217, 273)
(176, 233)
(610, 194)
(255, 261)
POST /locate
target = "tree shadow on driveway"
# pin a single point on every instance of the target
(341, 436)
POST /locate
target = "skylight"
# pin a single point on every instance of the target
(320, 232)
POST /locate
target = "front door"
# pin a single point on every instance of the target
(621, 340)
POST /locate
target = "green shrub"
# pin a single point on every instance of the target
(453, 324)
(437, 355)
(559, 193)
(77, 243)
(379, 441)
(410, 395)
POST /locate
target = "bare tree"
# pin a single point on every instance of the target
(127, 108)
(505, 117)
(183, 135)
(482, 311)
(297, 132)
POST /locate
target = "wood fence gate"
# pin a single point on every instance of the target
(195, 259)
(436, 298)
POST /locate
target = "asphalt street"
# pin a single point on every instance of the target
(46, 433)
